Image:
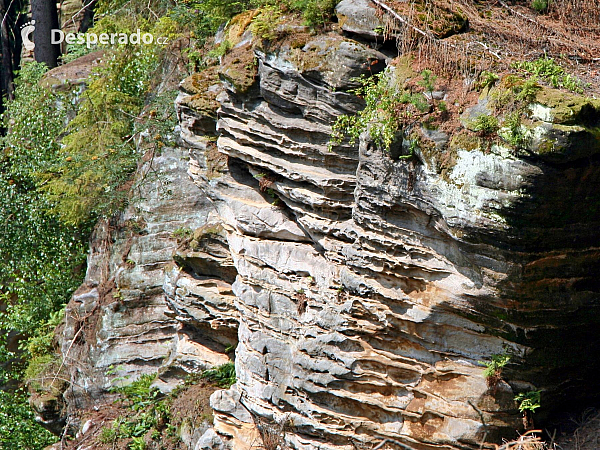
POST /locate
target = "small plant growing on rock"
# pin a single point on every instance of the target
(265, 182)
(528, 402)
(224, 376)
(342, 293)
(548, 70)
(389, 111)
(515, 134)
(130, 263)
(487, 80)
(493, 369)
(527, 91)
(182, 233)
(485, 124)
(428, 81)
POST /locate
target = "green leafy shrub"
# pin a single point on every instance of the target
(485, 123)
(98, 155)
(264, 24)
(224, 376)
(37, 367)
(40, 255)
(388, 110)
(548, 70)
(540, 6)
(528, 401)
(40, 344)
(203, 17)
(315, 12)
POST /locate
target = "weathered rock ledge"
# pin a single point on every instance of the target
(361, 290)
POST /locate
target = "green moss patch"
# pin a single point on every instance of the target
(465, 141)
(202, 99)
(239, 69)
(569, 109)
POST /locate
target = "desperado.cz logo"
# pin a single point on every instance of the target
(90, 39)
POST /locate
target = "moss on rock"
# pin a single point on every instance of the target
(465, 141)
(567, 108)
(239, 69)
(239, 25)
(202, 98)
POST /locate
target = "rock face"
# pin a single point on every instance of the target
(361, 290)
(359, 17)
(116, 323)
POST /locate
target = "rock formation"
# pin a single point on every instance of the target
(362, 290)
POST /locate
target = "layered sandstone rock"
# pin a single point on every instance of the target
(362, 290)
(117, 323)
(370, 324)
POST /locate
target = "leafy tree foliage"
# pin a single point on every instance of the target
(18, 429)
(41, 256)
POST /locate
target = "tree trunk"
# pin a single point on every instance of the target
(45, 14)
(88, 15)
(7, 52)
(6, 75)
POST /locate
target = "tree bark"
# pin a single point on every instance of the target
(6, 75)
(9, 56)
(45, 14)
(88, 15)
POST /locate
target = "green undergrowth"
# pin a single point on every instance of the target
(224, 376)
(390, 109)
(546, 69)
(510, 96)
(149, 413)
(315, 13)
(149, 419)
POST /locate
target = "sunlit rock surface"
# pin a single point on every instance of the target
(361, 290)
